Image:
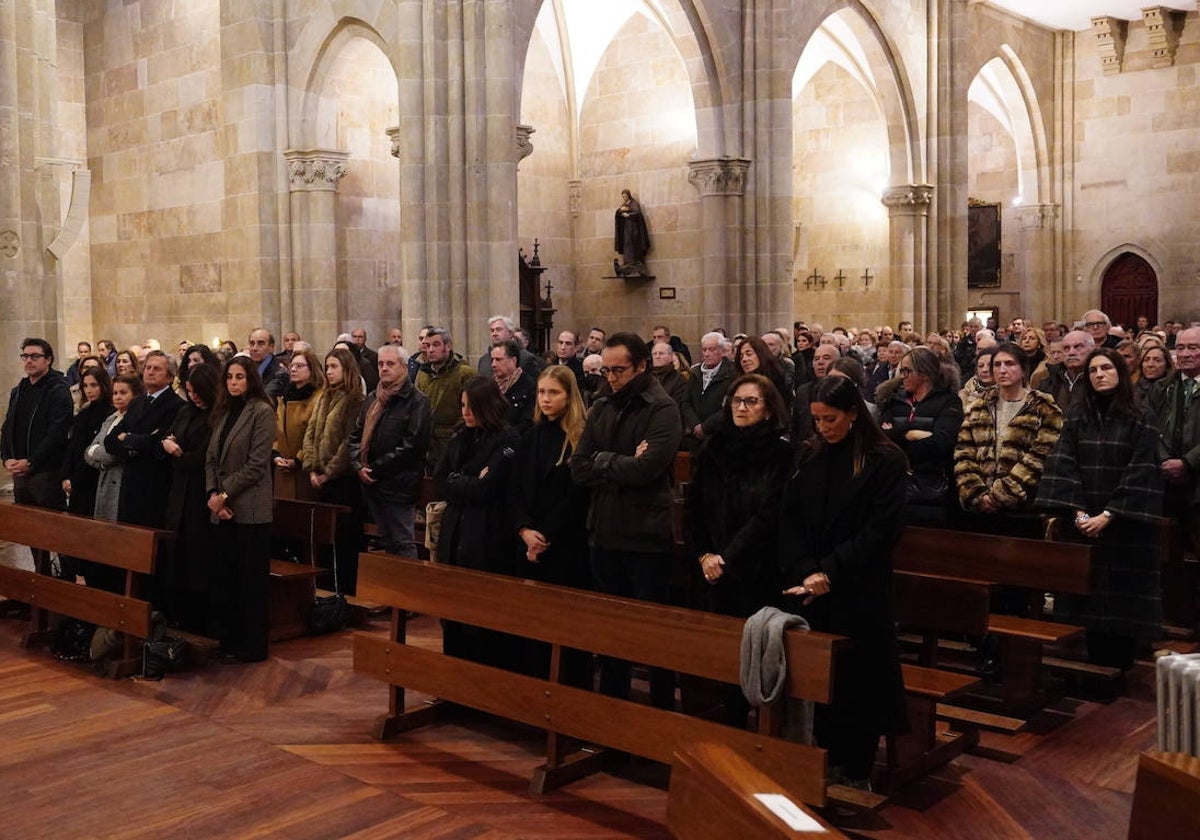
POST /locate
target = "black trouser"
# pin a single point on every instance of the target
(633, 574)
(242, 569)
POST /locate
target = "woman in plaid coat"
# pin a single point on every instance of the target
(1104, 476)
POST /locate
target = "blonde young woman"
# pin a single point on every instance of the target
(548, 509)
(306, 378)
(325, 461)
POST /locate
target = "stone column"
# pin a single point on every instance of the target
(29, 206)
(1033, 258)
(724, 293)
(458, 166)
(313, 176)
(908, 221)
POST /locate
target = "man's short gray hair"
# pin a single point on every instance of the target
(442, 332)
(712, 336)
(509, 323)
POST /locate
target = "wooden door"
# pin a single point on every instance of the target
(1129, 289)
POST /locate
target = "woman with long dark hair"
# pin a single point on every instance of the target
(755, 357)
(238, 485)
(548, 509)
(306, 379)
(197, 354)
(185, 583)
(839, 521)
(79, 478)
(325, 458)
(1103, 475)
(474, 476)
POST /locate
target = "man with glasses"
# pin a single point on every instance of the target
(1097, 325)
(624, 457)
(1175, 404)
(34, 436)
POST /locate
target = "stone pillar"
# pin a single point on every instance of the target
(724, 292)
(1033, 259)
(29, 206)
(908, 221)
(313, 176)
(458, 167)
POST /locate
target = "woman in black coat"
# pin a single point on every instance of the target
(184, 583)
(549, 510)
(79, 478)
(923, 418)
(839, 522)
(474, 478)
(736, 485)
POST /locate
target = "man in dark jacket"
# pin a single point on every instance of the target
(517, 386)
(442, 377)
(146, 479)
(387, 451)
(502, 328)
(624, 457)
(261, 348)
(34, 435)
(706, 389)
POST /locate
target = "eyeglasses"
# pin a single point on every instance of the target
(32, 357)
(1092, 325)
(904, 371)
(745, 402)
(615, 370)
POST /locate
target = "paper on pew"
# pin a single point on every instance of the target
(789, 812)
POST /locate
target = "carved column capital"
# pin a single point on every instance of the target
(908, 199)
(524, 145)
(315, 169)
(575, 196)
(393, 133)
(719, 176)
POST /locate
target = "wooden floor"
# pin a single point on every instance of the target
(283, 749)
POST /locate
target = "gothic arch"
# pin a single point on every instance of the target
(321, 40)
(685, 23)
(1003, 87)
(889, 84)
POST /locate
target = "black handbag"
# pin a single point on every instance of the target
(330, 613)
(168, 654)
(72, 640)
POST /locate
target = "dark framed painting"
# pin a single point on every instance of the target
(983, 245)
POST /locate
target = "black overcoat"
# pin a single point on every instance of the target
(476, 531)
(846, 526)
(187, 508)
(146, 479)
(84, 478)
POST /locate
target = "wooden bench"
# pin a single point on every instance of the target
(308, 527)
(716, 794)
(923, 749)
(687, 641)
(131, 548)
(1166, 800)
(946, 562)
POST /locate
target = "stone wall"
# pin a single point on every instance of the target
(637, 132)
(156, 152)
(840, 170)
(1137, 168)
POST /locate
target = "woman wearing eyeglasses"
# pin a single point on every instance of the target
(922, 418)
(736, 484)
(306, 378)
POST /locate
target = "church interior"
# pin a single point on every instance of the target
(192, 170)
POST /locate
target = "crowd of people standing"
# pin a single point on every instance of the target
(810, 451)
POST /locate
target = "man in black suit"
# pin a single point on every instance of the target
(146, 480)
(368, 355)
(568, 347)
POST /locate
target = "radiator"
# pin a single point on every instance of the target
(1178, 677)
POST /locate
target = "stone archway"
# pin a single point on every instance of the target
(1128, 289)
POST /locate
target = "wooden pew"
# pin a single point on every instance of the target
(714, 795)
(1037, 565)
(687, 641)
(309, 527)
(1166, 800)
(131, 548)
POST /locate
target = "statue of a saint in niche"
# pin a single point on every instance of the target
(632, 239)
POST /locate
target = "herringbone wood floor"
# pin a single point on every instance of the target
(283, 749)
